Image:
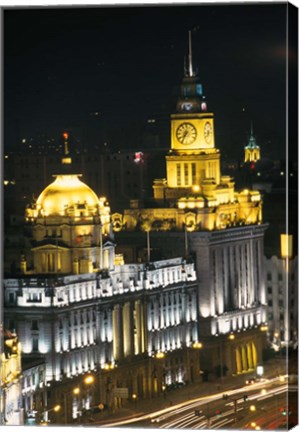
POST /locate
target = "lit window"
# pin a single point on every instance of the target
(186, 174)
(178, 174)
(193, 173)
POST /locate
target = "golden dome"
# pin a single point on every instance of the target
(66, 191)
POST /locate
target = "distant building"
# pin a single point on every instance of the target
(282, 299)
(123, 175)
(252, 150)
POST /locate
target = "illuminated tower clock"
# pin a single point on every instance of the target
(193, 157)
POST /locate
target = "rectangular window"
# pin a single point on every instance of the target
(41, 376)
(11, 325)
(269, 290)
(269, 276)
(186, 174)
(193, 167)
(279, 276)
(34, 325)
(280, 303)
(35, 344)
(178, 174)
(34, 297)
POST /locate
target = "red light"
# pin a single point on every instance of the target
(138, 157)
(65, 135)
(252, 166)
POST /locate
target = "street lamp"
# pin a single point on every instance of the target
(56, 408)
(197, 345)
(76, 391)
(89, 379)
(231, 337)
(134, 397)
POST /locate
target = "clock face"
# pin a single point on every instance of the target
(208, 131)
(186, 133)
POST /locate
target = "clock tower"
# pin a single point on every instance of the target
(193, 156)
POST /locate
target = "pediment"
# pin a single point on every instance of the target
(48, 247)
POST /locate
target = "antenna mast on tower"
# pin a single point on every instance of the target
(190, 55)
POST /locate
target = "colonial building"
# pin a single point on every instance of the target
(194, 195)
(197, 211)
(136, 328)
(81, 309)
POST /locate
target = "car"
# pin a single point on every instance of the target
(253, 380)
(250, 381)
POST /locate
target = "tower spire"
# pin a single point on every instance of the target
(66, 158)
(190, 56)
(251, 128)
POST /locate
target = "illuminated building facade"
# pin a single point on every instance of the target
(119, 175)
(77, 305)
(252, 150)
(282, 296)
(35, 392)
(11, 410)
(194, 196)
(139, 326)
(198, 212)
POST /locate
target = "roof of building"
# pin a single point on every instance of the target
(66, 191)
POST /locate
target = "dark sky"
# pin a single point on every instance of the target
(61, 65)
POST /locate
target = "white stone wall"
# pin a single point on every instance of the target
(281, 280)
(69, 319)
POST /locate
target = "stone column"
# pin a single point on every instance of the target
(244, 358)
(141, 329)
(144, 340)
(138, 325)
(128, 330)
(117, 332)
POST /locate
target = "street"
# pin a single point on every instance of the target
(261, 405)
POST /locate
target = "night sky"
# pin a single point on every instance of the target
(63, 65)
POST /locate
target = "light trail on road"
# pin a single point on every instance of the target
(183, 407)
